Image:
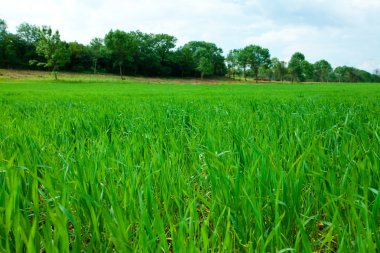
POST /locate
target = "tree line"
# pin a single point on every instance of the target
(143, 54)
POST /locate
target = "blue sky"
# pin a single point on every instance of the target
(344, 32)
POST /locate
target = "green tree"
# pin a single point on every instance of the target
(121, 46)
(243, 60)
(3, 28)
(308, 71)
(322, 71)
(97, 50)
(154, 54)
(3, 42)
(233, 62)
(202, 49)
(376, 76)
(257, 57)
(163, 44)
(351, 74)
(296, 67)
(339, 73)
(184, 61)
(28, 33)
(13, 49)
(205, 66)
(80, 57)
(346, 74)
(55, 52)
(279, 69)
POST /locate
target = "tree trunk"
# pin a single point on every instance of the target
(202, 74)
(121, 71)
(55, 73)
(95, 63)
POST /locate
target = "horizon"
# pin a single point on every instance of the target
(343, 34)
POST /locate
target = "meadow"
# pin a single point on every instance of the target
(121, 166)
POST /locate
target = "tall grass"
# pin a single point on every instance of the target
(147, 168)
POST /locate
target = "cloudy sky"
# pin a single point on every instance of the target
(344, 32)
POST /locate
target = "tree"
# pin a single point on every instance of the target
(121, 46)
(184, 61)
(243, 60)
(257, 57)
(279, 69)
(28, 33)
(232, 62)
(52, 49)
(80, 57)
(12, 48)
(97, 50)
(213, 54)
(205, 66)
(162, 45)
(351, 74)
(308, 71)
(376, 76)
(296, 68)
(3, 42)
(153, 54)
(203, 61)
(322, 71)
(3, 28)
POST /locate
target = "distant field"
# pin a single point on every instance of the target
(152, 166)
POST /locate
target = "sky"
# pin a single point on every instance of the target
(343, 32)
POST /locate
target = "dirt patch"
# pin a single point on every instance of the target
(44, 75)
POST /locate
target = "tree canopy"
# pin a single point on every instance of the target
(144, 54)
(55, 52)
(257, 57)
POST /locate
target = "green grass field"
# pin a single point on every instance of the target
(129, 166)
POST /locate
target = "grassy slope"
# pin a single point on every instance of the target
(127, 165)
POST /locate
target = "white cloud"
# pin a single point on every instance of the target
(284, 41)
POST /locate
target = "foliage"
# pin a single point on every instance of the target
(142, 54)
(211, 55)
(232, 61)
(3, 28)
(243, 60)
(185, 61)
(350, 74)
(322, 71)
(279, 69)
(121, 46)
(296, 67)
(308, 71)
(29, 33)
(80, 57)
(205, 66)
(256, 57)
(55, 52)
(163, 45)
(97, 50)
